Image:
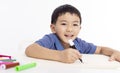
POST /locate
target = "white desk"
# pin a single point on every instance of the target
(92, 64)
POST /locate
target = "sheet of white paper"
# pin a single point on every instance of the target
(97, 62)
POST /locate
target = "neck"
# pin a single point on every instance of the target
(65, 45)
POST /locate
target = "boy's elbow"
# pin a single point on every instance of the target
(28, 51)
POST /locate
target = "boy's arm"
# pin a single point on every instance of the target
(67, 55)
(114, 54)
(37, 51)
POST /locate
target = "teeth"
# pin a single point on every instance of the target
(68, 35)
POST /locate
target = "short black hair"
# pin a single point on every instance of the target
(62, 10)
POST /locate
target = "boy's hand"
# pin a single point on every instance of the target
(69, 55)
(115, 56)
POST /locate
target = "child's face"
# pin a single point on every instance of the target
(67, 27)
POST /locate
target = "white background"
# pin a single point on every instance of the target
(25, 20)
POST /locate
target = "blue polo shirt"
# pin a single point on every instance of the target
(51, 41)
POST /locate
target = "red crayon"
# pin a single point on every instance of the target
(6, 66)
(5, 56)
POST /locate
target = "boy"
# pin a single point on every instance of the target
(65, 25)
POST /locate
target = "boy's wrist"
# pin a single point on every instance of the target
(57, 55)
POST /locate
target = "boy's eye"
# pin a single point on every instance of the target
(75, 24)
(63, 24)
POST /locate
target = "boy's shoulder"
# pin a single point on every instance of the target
(78, 39)
(50, 35)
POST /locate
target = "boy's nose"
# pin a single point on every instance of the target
(69, 29)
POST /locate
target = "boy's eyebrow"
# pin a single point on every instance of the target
(76, 21)
(66, 21)
(63, 21)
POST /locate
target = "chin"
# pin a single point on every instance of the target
(65, 41)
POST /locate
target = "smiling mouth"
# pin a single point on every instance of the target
(69, 36)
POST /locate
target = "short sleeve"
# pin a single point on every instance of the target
(46, 41)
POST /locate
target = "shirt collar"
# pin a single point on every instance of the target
(57, 43)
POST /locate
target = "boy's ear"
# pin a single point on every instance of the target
(52, 26)
(80, 27)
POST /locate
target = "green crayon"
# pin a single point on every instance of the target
(24, 67)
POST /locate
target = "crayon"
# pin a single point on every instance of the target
(5, 63)
(2, 58)
(8, 60)
(24, 67)
(9, 65)
(5, 56)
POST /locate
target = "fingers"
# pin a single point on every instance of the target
(70, 55)
(112, 58)
(76, 54)
(115, 56)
